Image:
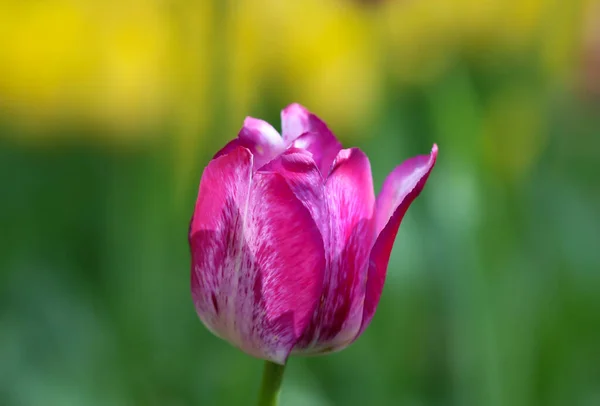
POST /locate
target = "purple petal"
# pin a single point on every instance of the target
(214, 235)
(350, 204)
(399, 190)
(304, 178)
(257, 258)
(323, 146)
(260, 138)
(297, 120)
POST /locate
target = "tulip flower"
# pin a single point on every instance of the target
(289, 244)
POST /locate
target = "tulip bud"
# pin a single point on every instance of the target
(289, 244)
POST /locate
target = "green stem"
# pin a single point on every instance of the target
(271, 384)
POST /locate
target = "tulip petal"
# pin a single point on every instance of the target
(350, 204)
(215, 232)
(323, 146)
(260, 138)
(302, 129)
(304, 178)
(257, 258)
(297, 120)
(399, 190)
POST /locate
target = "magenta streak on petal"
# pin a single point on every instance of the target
(400, 189)
(350, 203)
(257, 258)
(260, 138)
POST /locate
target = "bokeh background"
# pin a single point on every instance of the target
(109, 110)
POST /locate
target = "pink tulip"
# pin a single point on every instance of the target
(289, 245)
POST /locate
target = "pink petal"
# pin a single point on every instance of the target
(304, 178)
(257, 258)
(260, 138)
(302, 129)
(297, 120)
(323, 146)
(350, 204)
(215, 232)
(399, 190)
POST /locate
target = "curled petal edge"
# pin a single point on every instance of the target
(380, 253)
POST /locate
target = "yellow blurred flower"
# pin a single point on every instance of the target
(128, 67)
(45, 50)
(112, 64)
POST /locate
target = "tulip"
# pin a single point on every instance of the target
(289, 245)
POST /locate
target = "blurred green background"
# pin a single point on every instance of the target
(109, 110)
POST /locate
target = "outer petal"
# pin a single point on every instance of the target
(399, 190)
(257, 258)
(350, 203)
(216, 235)
(260, 138)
